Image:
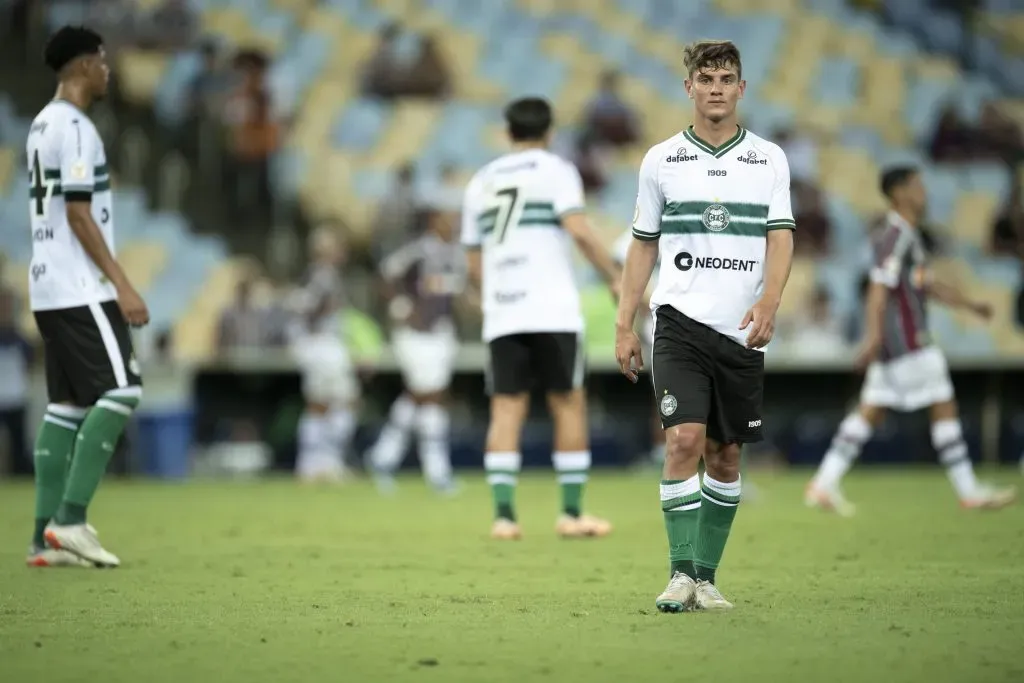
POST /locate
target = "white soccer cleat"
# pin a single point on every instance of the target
(709, 598)
(989, 497)
(584, 526)
(81, 540)
(830, 500)
(678, 596)
(506, 530)
(51, 557)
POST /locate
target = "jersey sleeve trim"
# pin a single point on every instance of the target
(78, 195)
(645, 236)
(781, 223)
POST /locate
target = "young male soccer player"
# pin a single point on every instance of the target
(714, 204)
(521, 215)
(423, 279)
(83, 305)
(905, 371)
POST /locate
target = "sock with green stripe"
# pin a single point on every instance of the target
(718, 509)
(572, 468)
(502, 468)
(94, 446)
(51, 455)
(680, 503)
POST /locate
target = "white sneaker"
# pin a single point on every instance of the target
(678, 596)
(82, 540)
(830, 500)
(989, 497)
(51, 557)
(709, 598)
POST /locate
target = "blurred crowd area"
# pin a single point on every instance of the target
(237, 127)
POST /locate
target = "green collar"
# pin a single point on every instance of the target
(716, 152)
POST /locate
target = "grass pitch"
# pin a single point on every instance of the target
(270, 581)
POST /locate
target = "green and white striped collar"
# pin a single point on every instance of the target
(716, 152)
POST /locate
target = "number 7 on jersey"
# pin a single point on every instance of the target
(508, 207)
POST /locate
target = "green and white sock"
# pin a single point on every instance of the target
(572, 468)
(52, 455)
(502, 474)
(721, 500)
(680, 503)
(97, 438)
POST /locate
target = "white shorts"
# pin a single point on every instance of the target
(426, 359)
(908, 383)
(328, 375)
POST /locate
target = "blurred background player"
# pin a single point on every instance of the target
(905, 370)
(646, 333)
(422, 280)
(520, 216)
(83, 304)
(329, 382)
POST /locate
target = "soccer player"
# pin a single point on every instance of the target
(521, 214)
(905, 370)
(83, 305)
(714, 205)
(422, 280)
(329, 383)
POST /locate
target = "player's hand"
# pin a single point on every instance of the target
(982, 309)
(627, 353)
(867, 353)
(761, 321)
(133, 308)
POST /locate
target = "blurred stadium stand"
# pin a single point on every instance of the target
(869, 84)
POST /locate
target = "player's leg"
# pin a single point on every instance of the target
(824, 490)
(327, 419)
(720, 493)
(948, 440)
(105, 375)
(430, 381)
(682, 372)
(389, 450)
(559, 364)
(508, 382)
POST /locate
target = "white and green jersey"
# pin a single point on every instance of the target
(66, 160)
(712, 208)
(512, 211)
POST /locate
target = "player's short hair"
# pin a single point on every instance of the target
(528, 118)
(69, 43)
(895, 177)
(712, 54)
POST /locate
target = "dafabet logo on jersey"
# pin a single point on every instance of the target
(681, 156)
(751, 158)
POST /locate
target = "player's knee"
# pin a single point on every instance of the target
(722, 462)
(684, 442)
(122, 400)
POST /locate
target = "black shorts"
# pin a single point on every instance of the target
(702, 376)
(549, 361)
(88, 352)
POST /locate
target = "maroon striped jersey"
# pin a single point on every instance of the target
(900, 264)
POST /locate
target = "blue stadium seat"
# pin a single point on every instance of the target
(838, 81)
(359, 126)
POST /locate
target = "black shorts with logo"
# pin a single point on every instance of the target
(702, 376)
(88, 352)
(549, 361)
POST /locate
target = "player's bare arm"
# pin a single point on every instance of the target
(576, 225)
(874, 319)
(80, 219)
(778, 263)
(636, 273)
(950, 296)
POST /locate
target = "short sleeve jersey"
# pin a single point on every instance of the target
(66, 162)
(712, 209)
(431, 272)
(900, 264)
(512, 211)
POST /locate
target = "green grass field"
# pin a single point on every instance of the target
(255, 582)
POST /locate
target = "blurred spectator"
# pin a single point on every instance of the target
(1000, 137)
(15, 360)
(383, 72)
(171, 26)
(802, 152)
(590, 162)
(1008, 230)
(812, 218)
(395, 222)
(254, 137)
(816, 333)
(609, 119)
(208, 87)
(952, 140)
(249, 322)
(429, 75)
